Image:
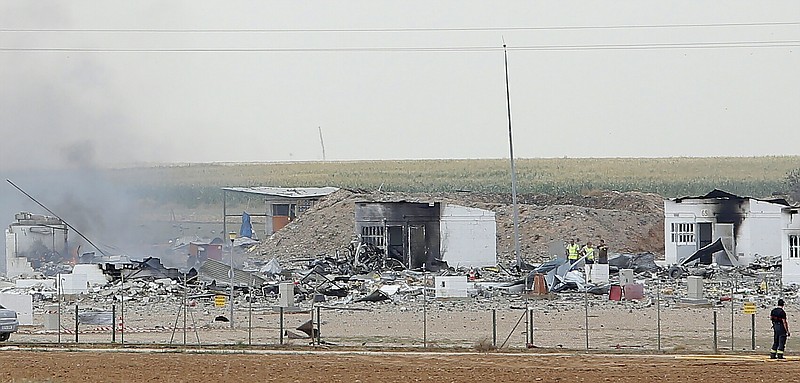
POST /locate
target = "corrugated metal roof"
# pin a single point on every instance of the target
(721, 194)
(284, 192)
(215, 270)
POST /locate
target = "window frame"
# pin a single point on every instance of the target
(374, 235)
(683, 233)
(794, 246)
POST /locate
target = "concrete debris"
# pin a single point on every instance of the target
(375, 296)
(361, 276)
(640, 263)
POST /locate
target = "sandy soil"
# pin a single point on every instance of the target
(60, 366)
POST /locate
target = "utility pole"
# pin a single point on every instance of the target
(232, 236)
(322, 143)
(517, 253)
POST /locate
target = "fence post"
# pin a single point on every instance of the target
(281, 326)
(425, 311)
(586, 315)
(122, 307)
(733, 290)
(59, 288)
(184, 303)
(531, 328)
(527, 325)
(319, 327)
(715, 331)
(313, 338)
(250, 318)
(494, 327)
(76, 322)
(114, 323)
(658, 312)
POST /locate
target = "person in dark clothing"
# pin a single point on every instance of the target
(602, 252)
(780, 329)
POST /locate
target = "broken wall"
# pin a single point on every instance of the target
(416, 225)
(759, 231)
(14, 266)
(755, 224)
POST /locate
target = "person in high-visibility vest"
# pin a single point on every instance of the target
(572, 251)
(588, 252)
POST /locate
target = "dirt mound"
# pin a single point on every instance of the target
(629, 222)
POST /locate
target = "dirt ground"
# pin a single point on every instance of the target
(99, 366)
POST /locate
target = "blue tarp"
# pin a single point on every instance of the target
(247, 227)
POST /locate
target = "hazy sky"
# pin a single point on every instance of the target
(266, 101)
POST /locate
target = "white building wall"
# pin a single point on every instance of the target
(687, 211)
(790, 267)
(468, 236)
(15, 266)
(450, 287)
(756, 235)
(4, 257)
(28, 237)
(760, 231)
(22, 304)
(71, 284)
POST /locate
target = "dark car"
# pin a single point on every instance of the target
(8, 323)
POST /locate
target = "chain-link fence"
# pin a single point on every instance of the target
(655, 323)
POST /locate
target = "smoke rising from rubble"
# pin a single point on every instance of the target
(64, 123)
(85, 197)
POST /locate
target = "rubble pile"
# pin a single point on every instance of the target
(629, 222)
(363, 278)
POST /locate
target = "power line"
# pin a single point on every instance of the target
(355, 30)
(583, 47)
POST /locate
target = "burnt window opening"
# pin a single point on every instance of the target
(373, 235)
(304, 205)
(683, 233)
(794, 246)
(284, 210)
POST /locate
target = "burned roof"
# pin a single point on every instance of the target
(212, 270)
(303, 192)
(721, 194)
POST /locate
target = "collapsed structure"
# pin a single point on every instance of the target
(281, 205)
(730, 230)
(32, 239)
(399, 245)
(426, 235)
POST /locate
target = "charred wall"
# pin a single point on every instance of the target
(731, 210)
(410, 216)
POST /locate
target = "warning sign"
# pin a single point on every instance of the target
(219, 300)
(749, 308)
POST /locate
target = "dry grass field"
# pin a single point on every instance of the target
(193, 184)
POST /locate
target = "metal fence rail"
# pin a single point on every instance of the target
(650, 325)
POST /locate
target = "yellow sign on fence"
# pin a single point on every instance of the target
(749, 308)
(219, 300)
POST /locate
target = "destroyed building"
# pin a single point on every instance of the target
(281, 205)
(32, 239)
(425, 234)
(746, 228)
